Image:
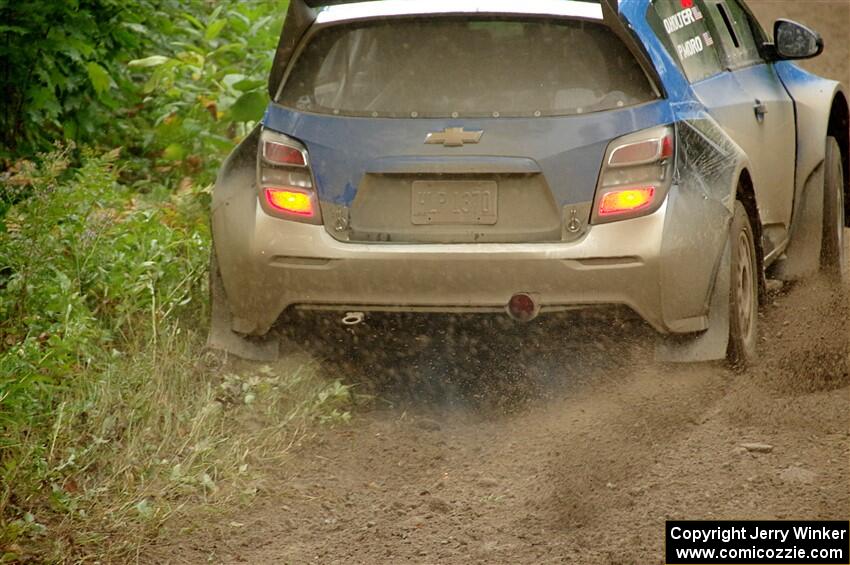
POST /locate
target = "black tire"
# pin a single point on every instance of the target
(833, 257)
(744, 291)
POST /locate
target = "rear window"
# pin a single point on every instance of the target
(449, 67)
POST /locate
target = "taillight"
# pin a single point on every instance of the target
(290, 201)
(622, 201)
(635, 176)
(285, 179)
(278, 153)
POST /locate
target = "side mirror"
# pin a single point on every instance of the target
(796, 41)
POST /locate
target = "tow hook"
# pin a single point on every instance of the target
(353, 318)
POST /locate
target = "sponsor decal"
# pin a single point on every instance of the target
(682, 19)
(690, 48)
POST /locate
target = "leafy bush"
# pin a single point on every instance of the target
(61, 74)
(88, 268)
(81, 71)
(111, 415)
(92, 273)
(202, 95)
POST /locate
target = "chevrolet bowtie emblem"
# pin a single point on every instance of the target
(453, 137)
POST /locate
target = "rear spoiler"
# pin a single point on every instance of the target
(299, 17)
(302, 14)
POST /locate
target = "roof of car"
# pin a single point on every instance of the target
(385, 8)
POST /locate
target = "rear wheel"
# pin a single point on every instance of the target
(744, 291)
(833, 255)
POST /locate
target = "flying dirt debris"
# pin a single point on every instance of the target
(674, 194)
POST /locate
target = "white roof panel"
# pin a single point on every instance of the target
(388, 8)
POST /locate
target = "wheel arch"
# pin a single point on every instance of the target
(821, 109)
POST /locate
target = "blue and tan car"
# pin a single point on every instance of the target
(496, 156)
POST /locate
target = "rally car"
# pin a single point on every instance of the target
(495, 156)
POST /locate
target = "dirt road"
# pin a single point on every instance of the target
(521, 447)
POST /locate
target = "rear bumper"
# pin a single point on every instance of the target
(275, 264)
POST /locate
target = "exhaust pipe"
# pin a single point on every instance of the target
(522, 307)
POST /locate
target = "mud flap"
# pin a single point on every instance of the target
(802, 257)
(223, 338)
(712, 344)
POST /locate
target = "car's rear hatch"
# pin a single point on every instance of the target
(459, 129)
(371, 174)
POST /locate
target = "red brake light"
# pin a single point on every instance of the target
(667, 147)
(282, 154)
(624, 201)
(290, 201)
(636, 175)
(285, 181)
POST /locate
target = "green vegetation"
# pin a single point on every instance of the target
(114, 119)
(164, 78)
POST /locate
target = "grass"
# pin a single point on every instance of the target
(113, 416)
(163, 430)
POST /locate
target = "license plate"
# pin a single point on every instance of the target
(455, 202)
